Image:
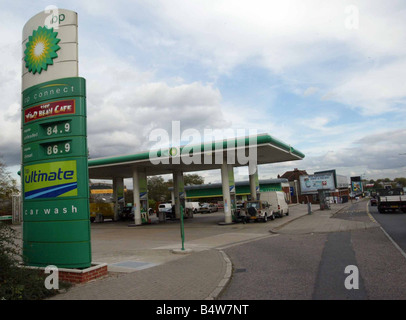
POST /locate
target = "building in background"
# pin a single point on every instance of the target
(306, 187)
(293, 178)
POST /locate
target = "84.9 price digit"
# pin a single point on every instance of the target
(56, 129)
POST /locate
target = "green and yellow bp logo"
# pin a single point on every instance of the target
(41, 49)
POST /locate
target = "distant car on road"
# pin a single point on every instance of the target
(374, 202)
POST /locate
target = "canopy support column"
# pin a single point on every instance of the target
(226, 192)
(137, 201)
(118, 194)
(254, 184)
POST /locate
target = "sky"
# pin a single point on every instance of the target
(327, 77)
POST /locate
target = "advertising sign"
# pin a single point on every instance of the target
(356, 185)
(55, 183)
(50, 180)
(342, 182)
(312, 183)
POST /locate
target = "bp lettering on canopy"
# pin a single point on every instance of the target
(56, 227)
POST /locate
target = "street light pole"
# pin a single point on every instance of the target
(296, 191)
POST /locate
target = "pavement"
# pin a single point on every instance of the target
(144, 262)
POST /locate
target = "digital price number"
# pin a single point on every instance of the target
(58, 148)
(57, 128)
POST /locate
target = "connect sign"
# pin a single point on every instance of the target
(55, 183)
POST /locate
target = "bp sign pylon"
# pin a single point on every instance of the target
(55, 183)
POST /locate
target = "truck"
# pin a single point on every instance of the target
(391, 200)
(104, 210)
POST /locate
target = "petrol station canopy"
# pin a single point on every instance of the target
(268, 150)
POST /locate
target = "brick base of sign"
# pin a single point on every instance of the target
(85, 275)
(76, 276)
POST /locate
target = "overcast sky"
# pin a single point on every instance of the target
(327, 77)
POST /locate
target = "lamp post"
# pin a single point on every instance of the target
(297, 192)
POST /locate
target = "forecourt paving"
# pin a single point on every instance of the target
(142, 264)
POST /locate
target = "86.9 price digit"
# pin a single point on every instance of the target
(58, 149)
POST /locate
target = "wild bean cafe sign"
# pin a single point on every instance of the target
(56, 228)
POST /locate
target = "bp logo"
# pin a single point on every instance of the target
(41, 49)
(173, 151)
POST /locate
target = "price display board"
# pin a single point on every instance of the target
(56, 229)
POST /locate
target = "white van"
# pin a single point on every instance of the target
(277, 201)
(193, 205)
(163, 207)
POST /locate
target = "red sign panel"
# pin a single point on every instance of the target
(49, 109)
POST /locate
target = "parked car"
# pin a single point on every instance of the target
(213, 208)
(257, 210)
(127, 213)
(204, 208)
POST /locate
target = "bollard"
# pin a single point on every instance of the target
(182, 228)
(309, 208)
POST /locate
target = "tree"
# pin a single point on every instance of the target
(401, 181)
(158, 189)
(18, 283)
(192, 179)
(8, 187)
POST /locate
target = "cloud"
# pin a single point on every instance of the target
(310, 91)
(375, 91)
(132, 115)
(374, 153)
